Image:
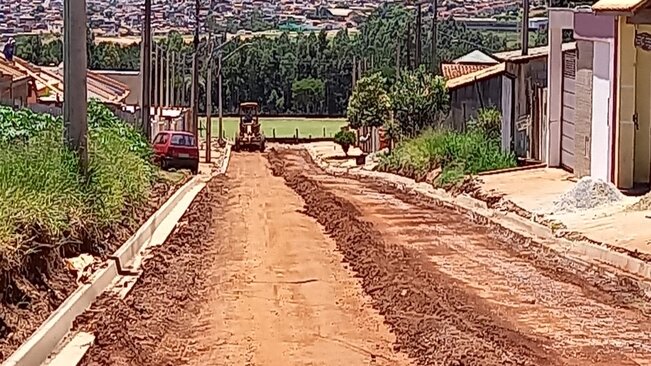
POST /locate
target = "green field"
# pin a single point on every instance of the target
(283, 127)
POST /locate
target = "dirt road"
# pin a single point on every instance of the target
(306, 269)
(271, 290)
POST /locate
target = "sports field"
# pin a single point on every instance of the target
(284, 127)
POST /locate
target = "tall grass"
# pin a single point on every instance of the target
(456, 153)
(44, 198)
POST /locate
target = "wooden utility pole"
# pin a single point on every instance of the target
(75, 102)
(419, 15)
(525, 27)
(435, 12)
(145, 71)
(161, 77)
(195, 74)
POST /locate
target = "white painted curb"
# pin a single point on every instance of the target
(507, 220)
(40, 345)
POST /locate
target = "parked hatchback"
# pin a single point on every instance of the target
(177, 150)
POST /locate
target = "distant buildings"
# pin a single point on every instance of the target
(124, 17)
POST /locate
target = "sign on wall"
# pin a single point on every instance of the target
(643, 40)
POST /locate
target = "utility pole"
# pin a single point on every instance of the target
(354, 71)
(75, 102)
(408, 65)
(145, 71)
(397, 59)
(435, 12)
(195, 74)
(173, 81)
(219, 98)
(155, 76)
(168, 94)
(209, 101)
(525, 27)
(161, 76)
(419, 15)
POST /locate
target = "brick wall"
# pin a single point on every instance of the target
(583, 123)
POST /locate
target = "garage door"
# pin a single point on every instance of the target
(569, 102)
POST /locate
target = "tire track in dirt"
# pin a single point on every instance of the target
(435, 321)
(250, 280)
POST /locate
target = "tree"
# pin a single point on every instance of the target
(369, 104)
(420, 100)
(309, 94)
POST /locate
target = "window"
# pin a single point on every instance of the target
(182, 140)
(161, 138)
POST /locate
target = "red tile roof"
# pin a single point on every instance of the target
(452, 71)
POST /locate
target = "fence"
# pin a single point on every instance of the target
(372, 139)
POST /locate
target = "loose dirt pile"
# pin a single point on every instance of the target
(29, 295)
(587, 193)
(138, 330)
(434, 320)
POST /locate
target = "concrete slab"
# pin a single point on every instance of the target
(534, 190)
(73, 351)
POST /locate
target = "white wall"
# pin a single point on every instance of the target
(601, 112)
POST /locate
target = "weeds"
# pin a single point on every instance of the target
(456, 153)
(42, 195)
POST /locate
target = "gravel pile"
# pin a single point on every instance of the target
(587, 193)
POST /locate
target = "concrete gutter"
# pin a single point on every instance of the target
(571, 249)
(45, 340)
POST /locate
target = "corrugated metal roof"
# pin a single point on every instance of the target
(100, 87)
(535, 52)
(476, 57)
(452, 71)
(476, 76)
(618, 5)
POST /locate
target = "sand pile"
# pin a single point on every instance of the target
(587, 193)
(644, 204)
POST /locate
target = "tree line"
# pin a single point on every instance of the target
(294, 73)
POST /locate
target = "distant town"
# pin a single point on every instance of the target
(114, 18)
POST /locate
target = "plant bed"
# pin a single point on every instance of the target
(51, 211)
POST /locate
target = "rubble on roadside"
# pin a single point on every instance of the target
(586, 194)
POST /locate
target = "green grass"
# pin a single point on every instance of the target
(43, 196)
(283, 127)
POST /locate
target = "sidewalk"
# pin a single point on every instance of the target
(534, 191)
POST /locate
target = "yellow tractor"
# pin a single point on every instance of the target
(249, 135)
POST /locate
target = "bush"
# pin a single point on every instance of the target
(44, 199)
(369, 105)
(456, 154)
(345, 139)
(488, 122)
(419, 100)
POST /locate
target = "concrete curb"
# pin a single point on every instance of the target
(45, 340)
(506, 220)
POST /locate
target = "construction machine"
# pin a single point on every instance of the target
(249, 135)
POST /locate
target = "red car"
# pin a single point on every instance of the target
(176, 149)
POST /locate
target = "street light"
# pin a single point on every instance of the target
(220, 60)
